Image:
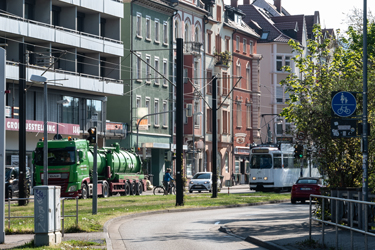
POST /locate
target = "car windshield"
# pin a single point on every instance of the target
(308, 181)
(56, 157)
(202, 176)
(261, 161)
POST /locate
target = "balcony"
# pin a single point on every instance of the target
(192, 48)
(46, 32)
(223, 58)
(111, 7)
(74, 80)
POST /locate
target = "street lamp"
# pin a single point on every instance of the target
(194, 115)
(62, 102)
(42, 79)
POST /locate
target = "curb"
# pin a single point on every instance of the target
(107, 224)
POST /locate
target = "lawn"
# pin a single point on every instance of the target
(116, 206)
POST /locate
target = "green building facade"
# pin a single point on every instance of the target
(147, 70)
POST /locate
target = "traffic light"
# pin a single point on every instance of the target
(93, 138)
(298, 151)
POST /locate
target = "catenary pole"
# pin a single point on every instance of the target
(2, 145)
(179, 121)
(364, 117)
(214, 137)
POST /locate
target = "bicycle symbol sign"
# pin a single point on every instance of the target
(344, 104)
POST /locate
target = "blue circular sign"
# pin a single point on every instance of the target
(344, 104)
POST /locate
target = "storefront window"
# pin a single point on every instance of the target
(237, 165)
(70, 111)
(226, 163)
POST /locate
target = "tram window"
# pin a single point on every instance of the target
(261, 161)
(277, 161)
(288, 161)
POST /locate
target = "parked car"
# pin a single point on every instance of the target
(304, 187)
(202, 181)
(12, 181)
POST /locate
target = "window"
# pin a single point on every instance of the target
(225, 122)
(225, 83)
(139, 25)
(287, 61)
(196, 73)
(288, 128)
(176, 27)
(185, 117)
(279, 94)
(156, 110)
(244, 45)
(139, 67)
(238, 72)
(248, 77)
(264, 35)
(196, 35)
(279, 127)
(251, 47)
(186, 37)
(80, 21)
(148, 68)
(226, 163)
(148, 27)
(196, 117)
(138, 102)
(248, 115)
(165, 32)
(103, 21)
(165, 115)
(209, 82)
(239, 115)
(218, 43)
(227, 41)
(209, 120)
(209, 42)
(237, 165)
(56, 15)
(279, 63)
(148, 106)
(186, 78)
(218, 13)
(157, 30)
(238, 43)
(156, 66)
(165, 72)
(29, 9)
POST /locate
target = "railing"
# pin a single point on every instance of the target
(350, 214)
(63, 216)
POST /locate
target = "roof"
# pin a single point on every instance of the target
(255, 15)
(242, 27)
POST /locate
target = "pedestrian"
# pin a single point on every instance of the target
(233, 179)
(167, 179)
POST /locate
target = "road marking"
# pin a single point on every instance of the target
(217, 222)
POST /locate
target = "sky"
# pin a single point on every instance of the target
(331, 11)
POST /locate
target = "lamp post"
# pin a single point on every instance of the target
(194, 118)
(42, 79)
(62, 102)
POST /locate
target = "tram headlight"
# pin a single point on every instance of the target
(254, 178)
(265, 178)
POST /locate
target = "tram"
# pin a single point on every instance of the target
(276, 170)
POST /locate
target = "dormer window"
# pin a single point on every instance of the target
(265, 35)
(237, 19)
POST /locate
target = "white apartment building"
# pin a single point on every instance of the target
(76, 45)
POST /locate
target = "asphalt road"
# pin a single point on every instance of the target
(178, 231)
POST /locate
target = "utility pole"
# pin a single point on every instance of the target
(214, 137)
(2, 144)
(364, 117)
(22, 124)
(179, 122)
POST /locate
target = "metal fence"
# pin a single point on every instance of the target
(349, 219)
(63, 215)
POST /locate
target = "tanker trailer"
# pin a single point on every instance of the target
(70, 166)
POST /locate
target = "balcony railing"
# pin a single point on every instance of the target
(193, 48)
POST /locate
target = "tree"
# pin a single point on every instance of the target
(324, 69)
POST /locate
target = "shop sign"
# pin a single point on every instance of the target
(38, 127)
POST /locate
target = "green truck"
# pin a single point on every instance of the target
(70, 166)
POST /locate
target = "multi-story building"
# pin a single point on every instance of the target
(276, 27)
(189, 25)
(246, 90)
(76, 45)
(147, 75)
(218, 62)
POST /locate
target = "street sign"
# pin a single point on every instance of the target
(94, 117)
(343, 128)
(343, 104)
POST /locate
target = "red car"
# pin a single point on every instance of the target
(304, 187)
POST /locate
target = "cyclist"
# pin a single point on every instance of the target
(167, 179)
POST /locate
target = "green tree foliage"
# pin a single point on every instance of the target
(327, 66)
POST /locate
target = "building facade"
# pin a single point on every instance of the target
(76, 45)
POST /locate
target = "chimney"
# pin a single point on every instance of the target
(234, 3)
(277, 3)
(246, 2)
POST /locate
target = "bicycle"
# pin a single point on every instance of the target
(160, 190)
